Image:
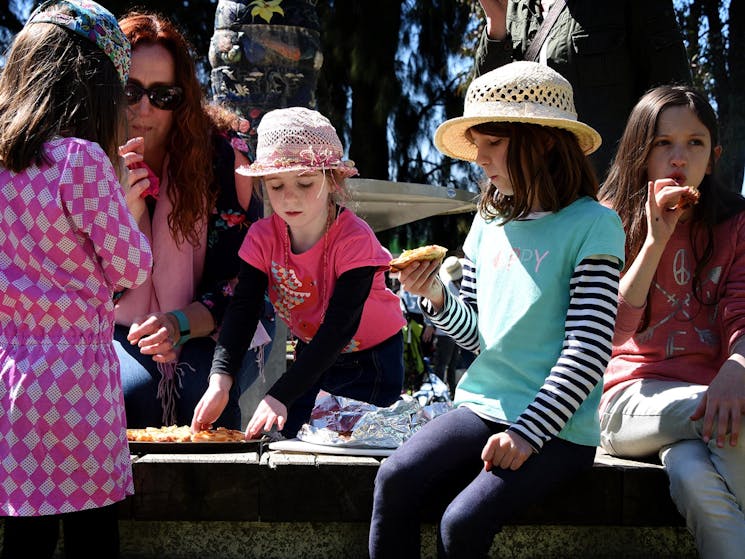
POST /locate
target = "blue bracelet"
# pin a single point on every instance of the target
(183, 326)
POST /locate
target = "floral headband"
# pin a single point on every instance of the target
(92, 21)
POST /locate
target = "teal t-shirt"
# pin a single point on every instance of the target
(523, 273)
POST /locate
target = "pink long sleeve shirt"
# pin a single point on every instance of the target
(684, 340)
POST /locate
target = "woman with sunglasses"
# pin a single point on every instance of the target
(196, 211)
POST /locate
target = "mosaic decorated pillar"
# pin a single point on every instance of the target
(265, 54)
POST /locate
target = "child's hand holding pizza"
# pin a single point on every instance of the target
(417, 271)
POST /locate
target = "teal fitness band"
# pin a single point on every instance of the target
(183, 327)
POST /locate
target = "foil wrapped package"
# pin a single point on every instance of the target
(340, 421)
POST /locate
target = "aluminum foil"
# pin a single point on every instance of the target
(339, 421)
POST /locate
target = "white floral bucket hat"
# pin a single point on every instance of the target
(297, 139)
(518, 92)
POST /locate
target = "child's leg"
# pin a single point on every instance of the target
(92, 533)
(704, 481)
(30, 536)
(648, 415)
(493, 498)
(374, 375)
(424, 474)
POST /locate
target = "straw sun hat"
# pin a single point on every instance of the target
(297, 139)
(518, 92)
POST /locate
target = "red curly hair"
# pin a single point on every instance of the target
(190, 146)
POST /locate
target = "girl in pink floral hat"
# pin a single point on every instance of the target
(68, 241)
(324, 268)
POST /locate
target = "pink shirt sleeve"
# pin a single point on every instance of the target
(95, 202)
(733, 298)
(627, 321)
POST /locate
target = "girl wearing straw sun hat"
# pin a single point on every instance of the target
(541, 251)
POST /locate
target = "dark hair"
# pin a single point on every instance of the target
(190, 147)
(544, 164)
(625, 189)
(57, 83)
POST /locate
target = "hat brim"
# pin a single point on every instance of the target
(450, 137)
(253, 170)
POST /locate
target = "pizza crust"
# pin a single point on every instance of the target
(425, 253)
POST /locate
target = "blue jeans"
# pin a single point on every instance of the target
(373, 375)
(140, 378)
(439, 471)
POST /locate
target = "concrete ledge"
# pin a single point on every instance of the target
(279, 487)
(275, 505)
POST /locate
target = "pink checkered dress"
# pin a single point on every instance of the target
(67, 242)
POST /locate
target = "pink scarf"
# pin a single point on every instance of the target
(172, 285)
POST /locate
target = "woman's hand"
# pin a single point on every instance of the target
(269, 411)
(723, 404)
(212, 403)
(156, 334)
(506, 450)
(420, 278)
(135, 182)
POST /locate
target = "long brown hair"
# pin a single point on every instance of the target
(625, 189)
(190, 148)
(544, 164)
(56, 83)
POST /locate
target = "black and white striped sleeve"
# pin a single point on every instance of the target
(585, 354)
(458, 317)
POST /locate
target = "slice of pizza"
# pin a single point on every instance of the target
(219, 435)
(689, 198)
(429, 252)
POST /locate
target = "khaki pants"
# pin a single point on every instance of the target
(707, 483)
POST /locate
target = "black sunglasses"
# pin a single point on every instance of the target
(166, 97)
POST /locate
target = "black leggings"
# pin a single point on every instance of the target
(88, 533)
(439, 472)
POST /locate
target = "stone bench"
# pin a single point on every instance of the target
(272, 504)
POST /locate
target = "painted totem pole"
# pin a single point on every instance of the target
(265, 54)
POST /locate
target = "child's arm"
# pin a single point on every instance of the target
(662, 195)
(585, 355)
(724, 401)
(339, 325)
(238, 326)
(95, 203)
(458, 316)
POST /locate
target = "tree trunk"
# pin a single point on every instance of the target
(734, 140)
(264, 59)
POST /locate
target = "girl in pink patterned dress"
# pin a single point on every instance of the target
(67, 243)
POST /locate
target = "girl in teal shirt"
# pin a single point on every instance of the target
(537, 303)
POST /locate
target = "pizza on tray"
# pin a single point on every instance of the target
(183, 434)
(429, 252)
